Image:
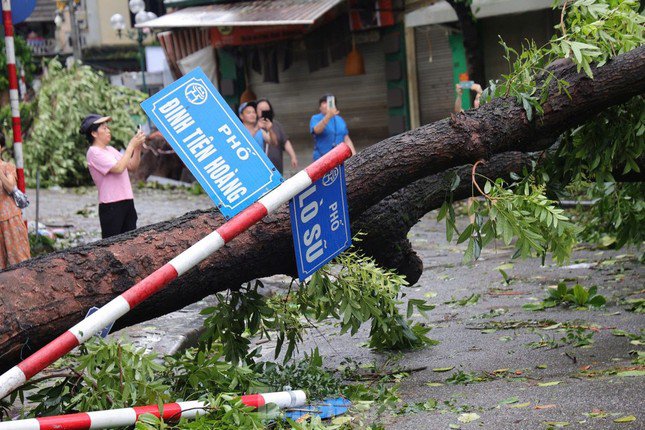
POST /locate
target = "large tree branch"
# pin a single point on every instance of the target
(41, 298)
(387, 224)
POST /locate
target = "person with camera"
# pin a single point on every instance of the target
(109, 170)
(328, 127)
(14, 242)
(279, 140)
(260, 128)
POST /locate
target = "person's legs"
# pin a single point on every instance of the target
(4, 257)
(130, 216)
(16, 240)
(111, 216)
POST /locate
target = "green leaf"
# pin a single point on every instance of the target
(466, 234)
(625, 419)
(509, 401)
(631, 373)
(548, 384)
(443, 369)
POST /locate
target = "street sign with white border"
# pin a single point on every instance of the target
(320, 222)
(212, 142)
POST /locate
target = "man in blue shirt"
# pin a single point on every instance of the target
(260, 129)
(329, 129)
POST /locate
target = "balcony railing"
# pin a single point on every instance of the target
(42, 47)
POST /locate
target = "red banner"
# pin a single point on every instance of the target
(237, 36)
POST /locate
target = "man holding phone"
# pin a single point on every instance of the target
(328, 127)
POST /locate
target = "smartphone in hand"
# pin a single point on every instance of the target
(331, 102)
(267, 114)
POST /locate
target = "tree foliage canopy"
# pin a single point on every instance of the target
(54, 144)
(584, 161)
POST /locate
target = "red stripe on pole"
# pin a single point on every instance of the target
(171, 411)
(8, 24)
(13, 77)
(17, 128)
(333, 158)
(242, 221)
(254, 400)
(20, 175)
(66, 422)
(150, 285)
(48, 354)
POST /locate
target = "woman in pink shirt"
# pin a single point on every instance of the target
(109, 169)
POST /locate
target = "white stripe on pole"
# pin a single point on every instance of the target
(14, 377)
(17, 154)
(190, 410)
(286, 399)
(107, 314)
(30, 424)
(197, 253)
(289, 189)
(114, 418)
(10, 50)
(14, 96)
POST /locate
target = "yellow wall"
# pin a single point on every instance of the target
(99, 14)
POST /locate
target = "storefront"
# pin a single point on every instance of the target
(439, 57)
(293, 51)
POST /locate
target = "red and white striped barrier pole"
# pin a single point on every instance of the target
(116, 308)
(129, 416)
(13, 92)
(22, 84)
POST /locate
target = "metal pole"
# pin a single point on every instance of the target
(157, 280)
(142, 60)
(37, 198)
(172, 412)
(76, 41)
(13, 93)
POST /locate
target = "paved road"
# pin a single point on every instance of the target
(523, 387)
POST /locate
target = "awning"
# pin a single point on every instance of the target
(246, 14)
(441, 12)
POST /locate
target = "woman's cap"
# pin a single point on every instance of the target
(91, 120)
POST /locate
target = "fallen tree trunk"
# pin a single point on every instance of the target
(43, 297)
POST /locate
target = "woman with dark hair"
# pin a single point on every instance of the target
(282, 143)
(109, 169)
(14, 242)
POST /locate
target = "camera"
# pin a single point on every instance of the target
(267, 114)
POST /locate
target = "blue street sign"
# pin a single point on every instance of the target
(106, 330)
(21, 9)
(212, 142)
(320, 222)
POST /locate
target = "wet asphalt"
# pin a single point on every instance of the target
(515, 382)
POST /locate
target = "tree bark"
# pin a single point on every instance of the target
(43, 297)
